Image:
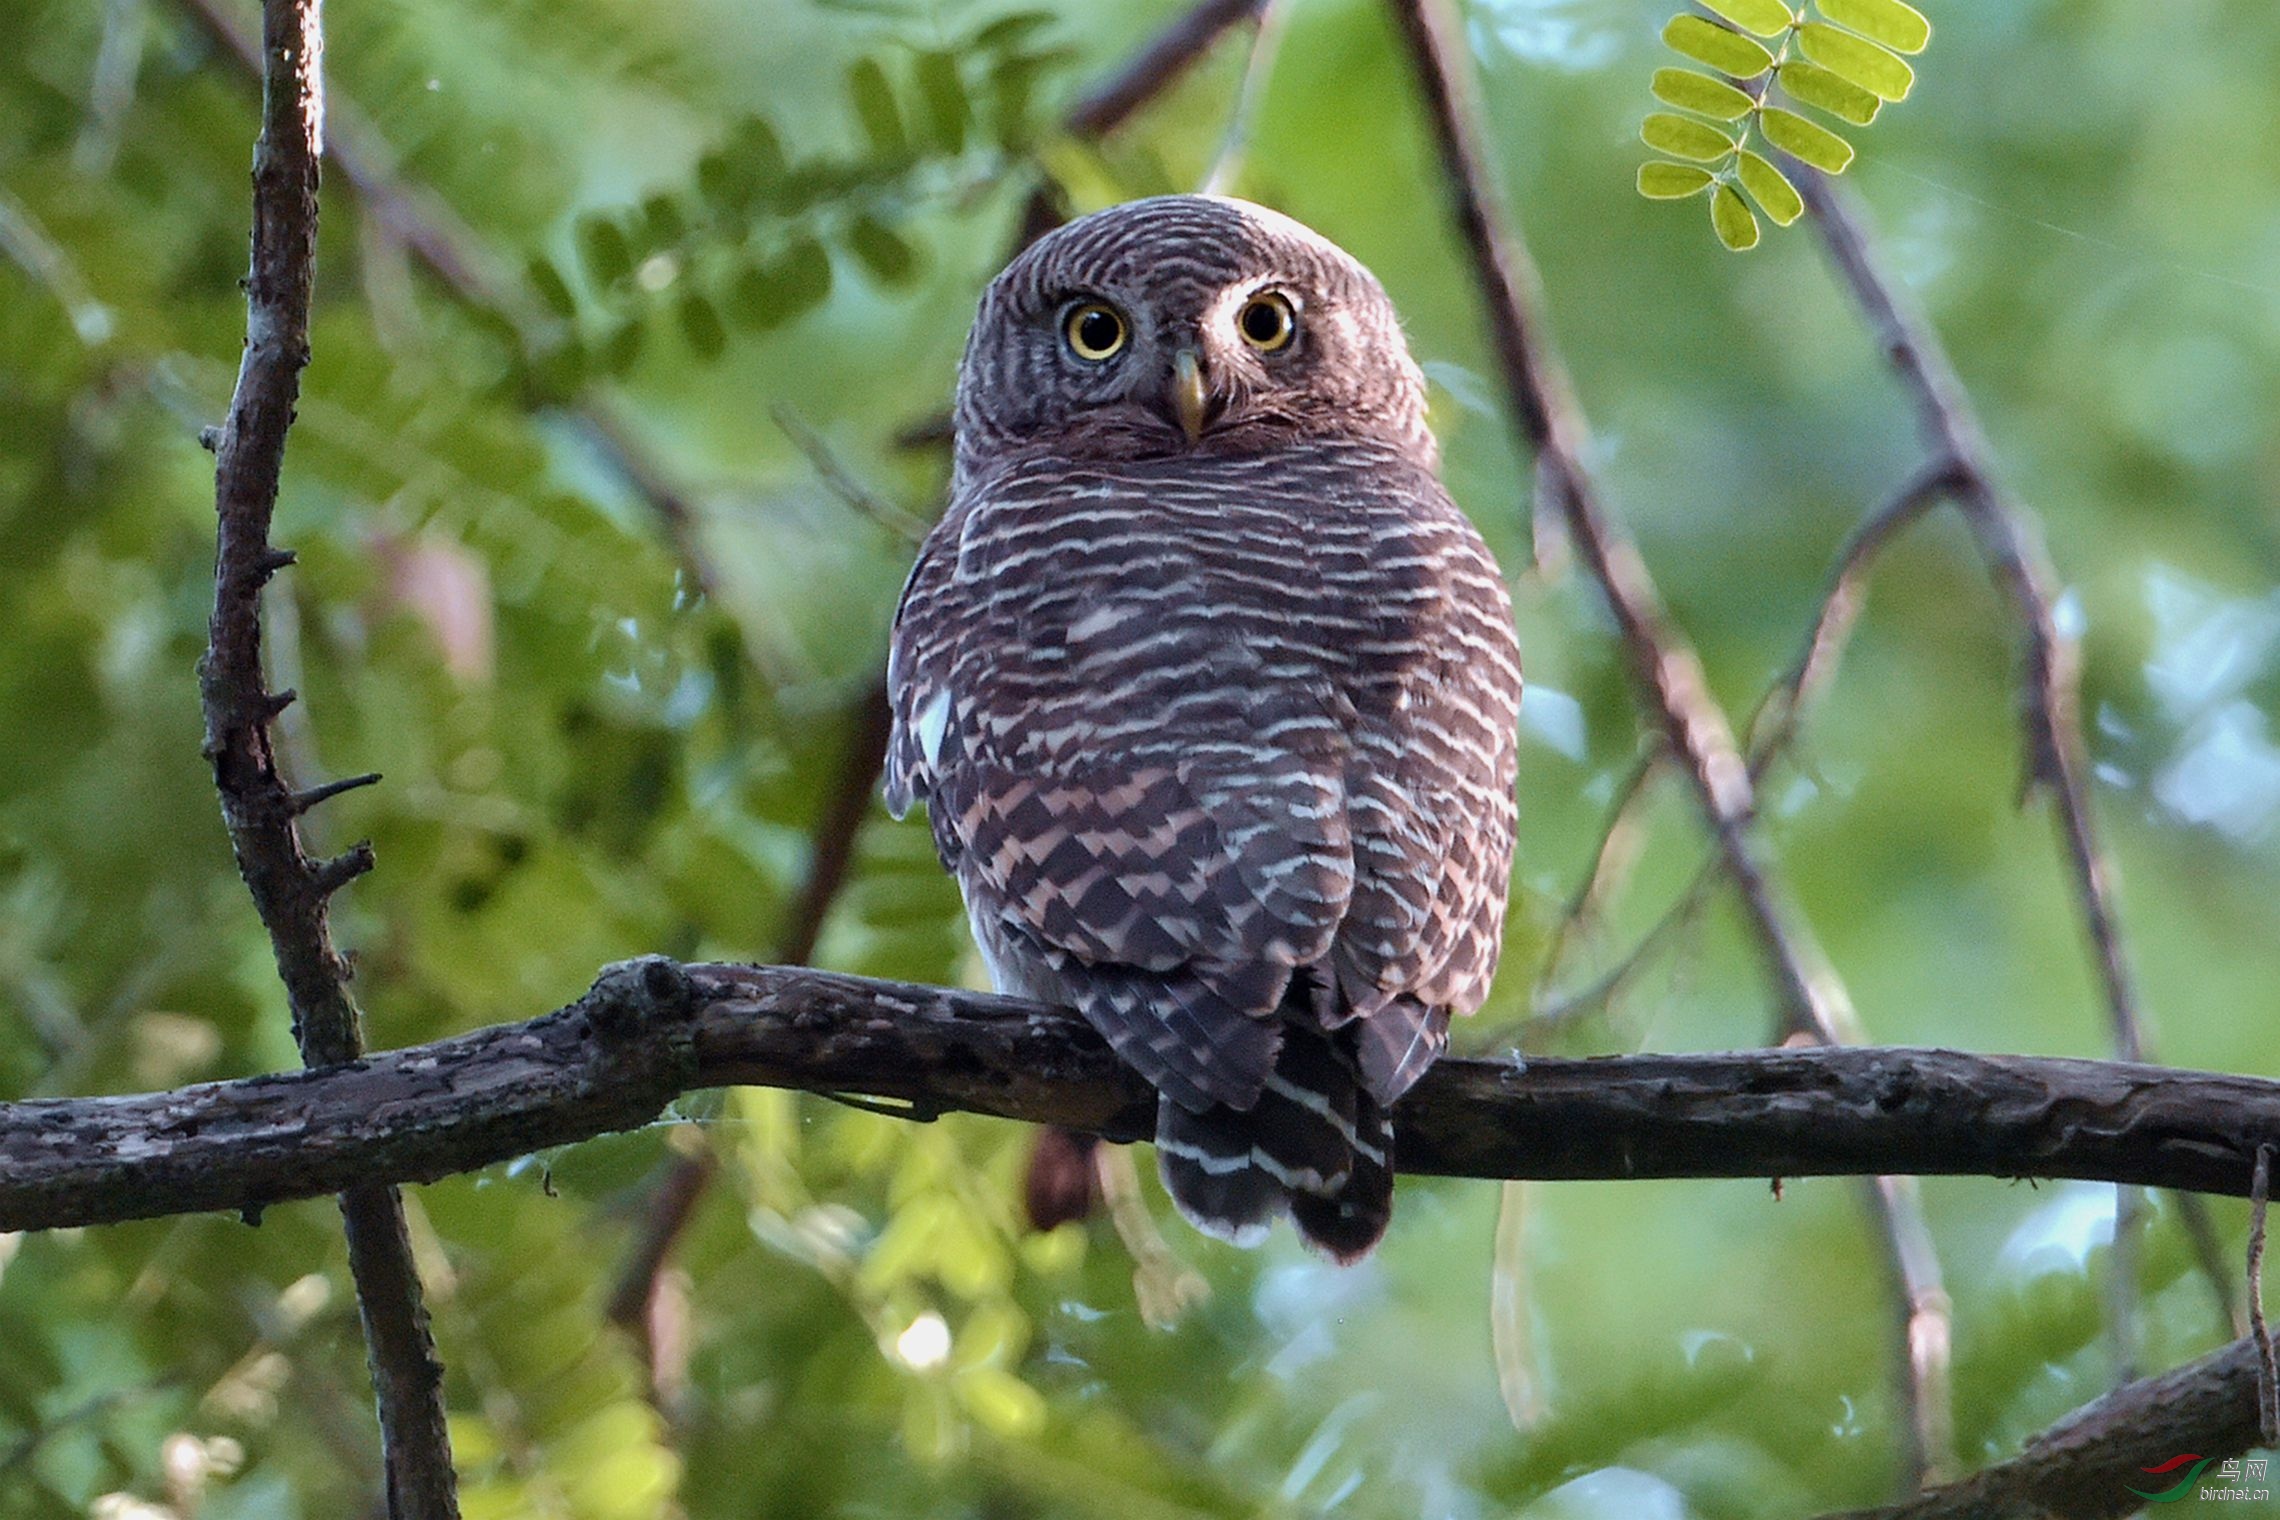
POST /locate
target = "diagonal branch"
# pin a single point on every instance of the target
(292, 893)
(1812, 999)
(2011, 539)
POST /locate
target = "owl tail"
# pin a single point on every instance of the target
(1315, 1144)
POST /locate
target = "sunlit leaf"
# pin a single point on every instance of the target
(1770, 188)
(1684, 137)
(1877, 70)
(1899, 26)
(1700, 93)
(1815, 86)
(1705, 41)
(1732, 220)
(1814, 144)
(1767, 18)
(1002, 1402)
(875, 108)
(1661, 181)
(944, 95)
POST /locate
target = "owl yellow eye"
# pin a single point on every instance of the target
(1267, 322)
(1095, 332)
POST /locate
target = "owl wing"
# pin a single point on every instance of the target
(1120, 702)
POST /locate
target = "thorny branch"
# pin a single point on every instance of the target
(1813, 1001)
(291, 892)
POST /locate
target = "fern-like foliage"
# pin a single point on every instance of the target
(747, 244)
(1840, 58)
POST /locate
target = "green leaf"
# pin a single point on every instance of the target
(602, 244)
(1732, 221)
(1767, 18)
(1874, 69)
(1728, 52)
(875, 108)
(1660, 181)
(1008, 32)
(758, 299)
(1841, 98)
(1802, 139)
(1770, 188)
(882, 250)
(944, 95)
(701, 325)
(1701, 94)
(1013, 90)
(623, 346)
(551, 287)
(1684, 137)
(804, 271)
(665, 222)
(726, 182)
(1899, 26)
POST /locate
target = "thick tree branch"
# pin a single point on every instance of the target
(650, 1030)
(291, 892)
(1812, 998)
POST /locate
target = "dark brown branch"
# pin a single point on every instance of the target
(2267, 1366)
(2086, 1466)
(1812, 1000)
(650, 1031)
(291, 892)
(1155, 68)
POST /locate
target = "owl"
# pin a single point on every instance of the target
(1210, 692)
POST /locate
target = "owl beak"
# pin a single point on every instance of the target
(1188, 396)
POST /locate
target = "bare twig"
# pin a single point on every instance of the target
(2267, 1368)
(1156, 68)
(291, 892)
(1812, 999)
(2011, 539)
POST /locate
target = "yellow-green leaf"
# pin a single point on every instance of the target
(1877, 70)
(1701, 94)
(1705, 41)
(1002, 1402)
(1899, 26)
(1764, 17)
(1684, 137)
(944, 94)
(1817, 87)
(1815, 144)
(1732, 221)
(1771, 189)
(1661, 181)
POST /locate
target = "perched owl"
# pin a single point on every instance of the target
(1210, 692)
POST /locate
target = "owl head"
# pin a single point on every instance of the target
(1183, 324)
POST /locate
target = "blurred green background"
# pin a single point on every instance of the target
(590, 756)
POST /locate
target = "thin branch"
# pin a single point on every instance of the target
(2011, 539)
(2267, 1368)
(1812, 999)
(2096, 1463)
(292, 893)
(1155, 68)
(651, 1030)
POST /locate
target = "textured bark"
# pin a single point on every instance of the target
(650, 1030)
